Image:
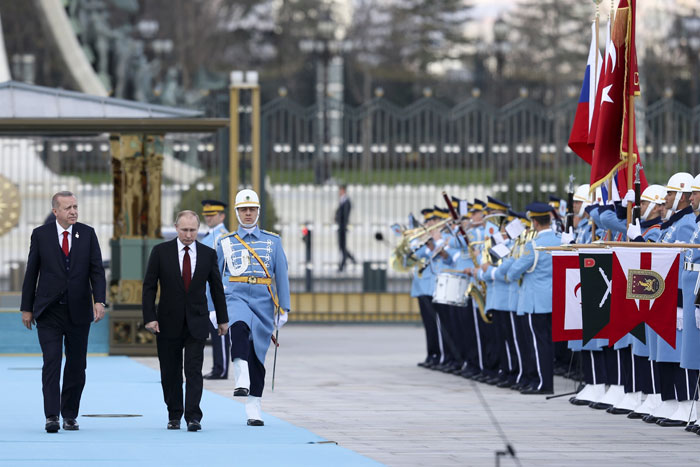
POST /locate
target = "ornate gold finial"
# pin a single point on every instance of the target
(10, 204)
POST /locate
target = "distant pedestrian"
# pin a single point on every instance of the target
(342, 218)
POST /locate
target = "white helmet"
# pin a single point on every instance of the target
(247, 198)
(583, 194)
(682, 182)
(655, 194)
(696, 183)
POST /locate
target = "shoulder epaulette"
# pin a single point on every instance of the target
(230, 234)
(270, 233)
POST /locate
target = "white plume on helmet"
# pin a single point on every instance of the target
(247, 198)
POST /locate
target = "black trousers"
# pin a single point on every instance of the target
(342, 244)
(490, 347)
(171, 364)
(507, 357)
(593, 367)
(613, 366)
(643, 377)
(55, 328)
(468, 339)
(220, 351)
(538, 352)
(676, 383)
(432, 336)
(242, 347)
(448, 332)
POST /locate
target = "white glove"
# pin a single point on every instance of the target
(634, 230)
(629, 198)
(281, 318)
(679, 318)
(568, 237)
(212, 318)
(697, 316)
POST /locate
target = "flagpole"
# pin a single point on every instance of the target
(631, 156)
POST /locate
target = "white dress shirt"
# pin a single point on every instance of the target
(192, 252)
(60, 235)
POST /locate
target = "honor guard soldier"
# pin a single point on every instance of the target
(214, 216)
(250, 259)
(674, 381)
(535, 301)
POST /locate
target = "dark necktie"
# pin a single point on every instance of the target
(186, 269)
(64, 244)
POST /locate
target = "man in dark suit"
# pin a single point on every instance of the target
(342, 218)
(64, 275)
(182, 267)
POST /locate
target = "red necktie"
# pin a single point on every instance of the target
(64, 244)
(186, 269)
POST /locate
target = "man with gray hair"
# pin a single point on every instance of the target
(182, 267)
(63, 292)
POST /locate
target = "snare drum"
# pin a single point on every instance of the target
(450, 289)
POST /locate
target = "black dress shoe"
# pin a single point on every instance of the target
(214, 376)
(504, 384)
(174, 425)
(469, 373)
(669, 422)
(690, 427)
(253, 422)
(618, 411)
(581, 402)
(600, 405)
(649, 418)
(532, 390)
(193, 425)
(695, 428)
(52, 425)
(492, 381)
(70, 424)
(636, 415)
(241, 392)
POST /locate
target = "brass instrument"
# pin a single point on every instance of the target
(403, 248)
(477, 289)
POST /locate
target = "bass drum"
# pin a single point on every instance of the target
(451, 289)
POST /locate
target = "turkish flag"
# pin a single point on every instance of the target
(566, 296)
(620, 81)
(644, 290)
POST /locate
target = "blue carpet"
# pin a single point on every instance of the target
(118, 385)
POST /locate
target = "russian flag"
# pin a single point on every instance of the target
(579, 138)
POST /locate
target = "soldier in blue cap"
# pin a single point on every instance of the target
(214, 216)
(535, 301)
(250, 260)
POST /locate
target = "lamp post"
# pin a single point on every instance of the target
(327, 50)
(500, 34)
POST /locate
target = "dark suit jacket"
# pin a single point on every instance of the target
(342, 214)
(46, 278)
(177, 307)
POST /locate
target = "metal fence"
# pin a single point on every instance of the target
(394, 160)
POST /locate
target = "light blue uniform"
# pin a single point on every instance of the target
(251, 303)
(680, 227)
(610, 220)
(487, 230)
(211, 239)
(423, 283)
(690, 347)
(536, 291)
(500, 288)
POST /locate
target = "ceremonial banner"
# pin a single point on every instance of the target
(578, 140)
(566, 296)
(596, 287)
(621, 80)
(645, 290)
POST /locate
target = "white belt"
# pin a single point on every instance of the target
(691, 267)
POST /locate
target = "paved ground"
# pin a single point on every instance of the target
(360, 386)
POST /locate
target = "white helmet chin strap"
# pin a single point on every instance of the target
(648, 211)
(247, 226)
(582, 210)
(676, 200)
